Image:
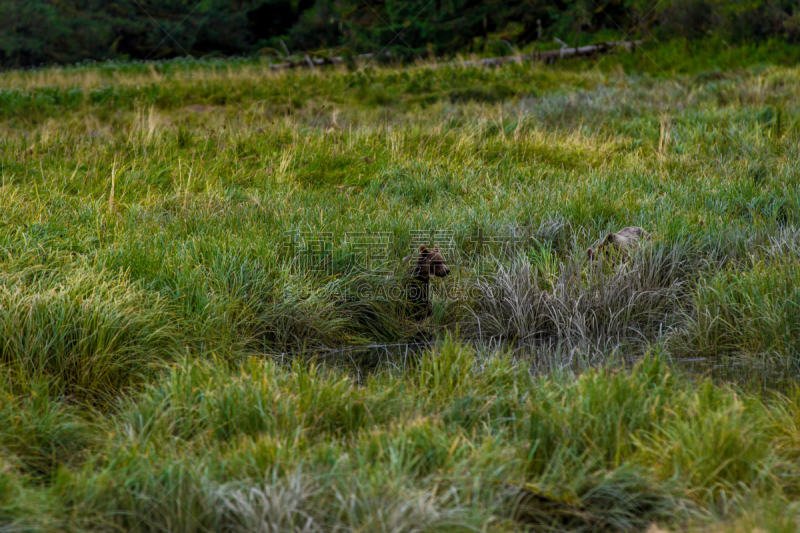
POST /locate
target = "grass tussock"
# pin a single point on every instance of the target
(460, 447)
(752, 313)
(540, 298)
(87, 335)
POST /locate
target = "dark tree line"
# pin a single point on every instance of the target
(33, 32)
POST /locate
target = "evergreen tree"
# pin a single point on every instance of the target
(64, 31)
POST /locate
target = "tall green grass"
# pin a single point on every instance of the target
(753, 313)
(85, 334)
(210, 447)
(193, 332)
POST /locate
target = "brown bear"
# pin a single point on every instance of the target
(624, 238)
(430, 263)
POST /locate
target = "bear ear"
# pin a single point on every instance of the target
(423, 250)
(436, 248)
(589, 253)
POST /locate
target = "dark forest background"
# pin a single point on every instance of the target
(35, 32)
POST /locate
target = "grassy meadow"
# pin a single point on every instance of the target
(202, 323)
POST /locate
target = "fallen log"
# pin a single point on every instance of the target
(308, 62)
(547, 56)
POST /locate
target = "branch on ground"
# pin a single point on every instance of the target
(547, 56)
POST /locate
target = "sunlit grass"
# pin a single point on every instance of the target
(184, 278)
